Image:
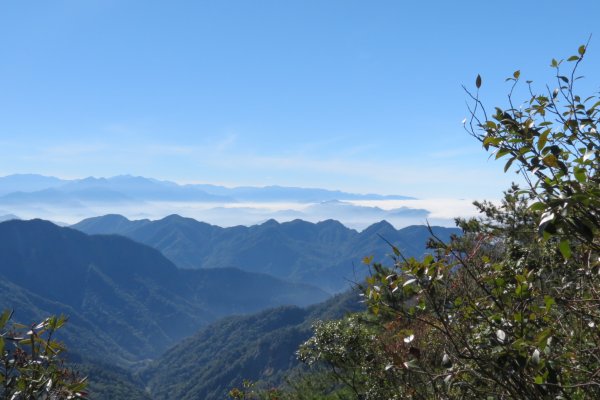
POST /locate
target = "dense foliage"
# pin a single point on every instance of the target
(260, 347)
(510, 309)
(109, 382)
(31, 366)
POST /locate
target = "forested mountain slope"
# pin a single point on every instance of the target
(126, 302)
(326, 254)
(261, 346)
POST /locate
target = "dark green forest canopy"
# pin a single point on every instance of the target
(257, 347)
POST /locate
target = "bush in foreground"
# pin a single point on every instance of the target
(30, 363)
(511, 308)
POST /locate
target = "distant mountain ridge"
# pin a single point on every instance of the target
(68, 201)
(125, 300)
(28, 183)
(39, 188)
(326, 254)
(8, 217)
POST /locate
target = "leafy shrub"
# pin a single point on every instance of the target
(511, 308)
(30, 363)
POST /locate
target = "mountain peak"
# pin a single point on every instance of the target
(174, 217)
(8, 217)
(115, 218)
(92, 179)
(36, 222)
(380, 227)
(270, 222)
(331, 223)
(103, 224)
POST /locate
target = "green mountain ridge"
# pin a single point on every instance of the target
(125, 300)
(142, 328)
(321, 254)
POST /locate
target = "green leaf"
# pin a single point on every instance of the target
(549, 302)
(491, 124)
(520, 289)
(550, 160)
(509, 163)
(518, 317)
(491, 140)
(565, 248)
(538, 206)
(581, 50)
(502, 153)
(478, 81)
(573, 58)
(516, 74)
(542, 140)
(580, 174)
(6, 314)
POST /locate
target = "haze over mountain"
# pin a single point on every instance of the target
(140, 188)
(8, 217)
(321, 254)
(126, 301)
(134, 288)
(37, 196)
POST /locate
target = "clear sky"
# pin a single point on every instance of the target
(362, 96)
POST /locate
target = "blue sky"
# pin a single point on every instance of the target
(362, 96)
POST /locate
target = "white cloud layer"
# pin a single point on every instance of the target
(354, 214)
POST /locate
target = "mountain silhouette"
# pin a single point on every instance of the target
(326, 254)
